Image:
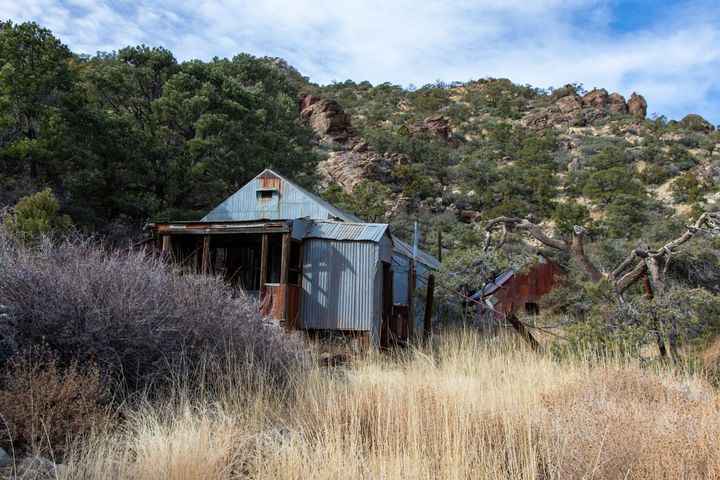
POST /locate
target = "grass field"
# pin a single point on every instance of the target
(465, 409)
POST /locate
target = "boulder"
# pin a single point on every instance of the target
(360, 147)
(566, 111)
(596, 98)
(616, 103)
(637, 106)
(327, 118)
(574, 165)
(39, 468)
(471, 215)
(437, 125)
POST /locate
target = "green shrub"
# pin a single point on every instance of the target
(625, 216)
(37, 215)
(568, 214)
(654, 174)
(687, 189)
(680, 157)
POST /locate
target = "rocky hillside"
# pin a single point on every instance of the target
(456, 155)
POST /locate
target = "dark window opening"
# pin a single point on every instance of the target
(532, 308)
(272, 274)
(265, 194)
(295, 266)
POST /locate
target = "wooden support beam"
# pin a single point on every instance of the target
(411, 297)
(205, 260)
(427, 320)
(285, 259)
(263, 261)
(439, 246)
(284, 271)
(522, 330)
(167, 246)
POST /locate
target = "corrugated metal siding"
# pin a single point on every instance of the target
(341, 286)
(371, 232)
(400, 268)
(288, 201)
(386, 249)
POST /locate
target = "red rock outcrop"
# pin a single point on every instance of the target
(596, 98)
(616, 103)
(565, 112)
(637, 105)
(327, 118)
(437, 125)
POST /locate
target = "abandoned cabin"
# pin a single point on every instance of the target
(511, 292)
(312, 265)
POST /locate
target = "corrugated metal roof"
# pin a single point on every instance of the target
(289, 201)
(406, 250)
(371, 232)
(499, 281)
(335, 211)
(285, 201)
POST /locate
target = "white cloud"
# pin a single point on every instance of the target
(674, 63)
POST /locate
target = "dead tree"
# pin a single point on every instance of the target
(654, 262)
(638, 265)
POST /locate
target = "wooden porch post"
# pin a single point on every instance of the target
(263, 261)
(284, 271)
(411, 297)
(205, 261)
(285, 259)
(167, 246)
(427, 320)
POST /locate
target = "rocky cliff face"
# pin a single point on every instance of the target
(327, 118)
(596, 105)
(582, 125)
(351, 159)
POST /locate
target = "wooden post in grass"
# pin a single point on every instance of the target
(427, 320)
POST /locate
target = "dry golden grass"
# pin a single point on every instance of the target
(467, 409)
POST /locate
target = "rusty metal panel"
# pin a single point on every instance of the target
(341, 286)
(293, 305)
(272, 303)
(271, 196)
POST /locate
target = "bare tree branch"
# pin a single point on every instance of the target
(523, 224)
(649, 260)
(630, 278)
(578, 251)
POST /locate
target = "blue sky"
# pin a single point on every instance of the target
(668, 51)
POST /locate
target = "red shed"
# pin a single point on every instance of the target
(515, 293)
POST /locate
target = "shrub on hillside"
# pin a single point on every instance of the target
(37, 215)
(129, 311)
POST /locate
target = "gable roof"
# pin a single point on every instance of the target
(292, 202)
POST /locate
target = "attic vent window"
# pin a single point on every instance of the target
(265, 194)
